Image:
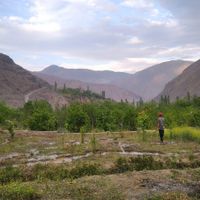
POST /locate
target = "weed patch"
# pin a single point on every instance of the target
(18, 191)
(184, 133)
(170, 196)
(9, 174)
(137, 163)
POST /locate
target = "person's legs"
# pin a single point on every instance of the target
(161, 132)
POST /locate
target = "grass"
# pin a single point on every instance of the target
(84, 168)
(49, 171)
(184, 133)
(18, 191)
(171, 196)
(106, 173)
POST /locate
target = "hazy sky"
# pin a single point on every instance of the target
(119, 35)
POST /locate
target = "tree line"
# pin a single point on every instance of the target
(101, 115)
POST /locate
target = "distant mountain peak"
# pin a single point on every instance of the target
(85, 75)
(52, 66)
(6, 59)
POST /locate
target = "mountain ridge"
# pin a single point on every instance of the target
(16, 83)
(85, 75)
(111, 91)
(147, 83)
(186, 83)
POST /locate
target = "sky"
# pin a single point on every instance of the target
(118, 35)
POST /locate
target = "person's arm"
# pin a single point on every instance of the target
(163, 123)
(158, 124)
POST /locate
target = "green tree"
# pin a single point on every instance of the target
(39, 115)
(77, 118)
(42, 121)
(130, 122)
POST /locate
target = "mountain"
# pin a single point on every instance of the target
(85, 75)
(187, 82)
(18, 85)
(149, 82)
(111, 91)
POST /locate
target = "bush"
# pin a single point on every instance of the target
(77, 119)
(145, 162)
(137, 163)
(18, 191)
(46, 172)
(60, 172)
(121, 165)
(85, 170)
(42, 121)
(10, 127)
(39, 115)
(93, 143)
(9, 174)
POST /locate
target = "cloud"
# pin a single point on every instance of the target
(137, 3)
(126, 35)
(135, 41)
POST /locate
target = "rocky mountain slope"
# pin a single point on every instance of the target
(85, 75)
(149, 82)
(111, 91)
(187, 82)
(18, 85)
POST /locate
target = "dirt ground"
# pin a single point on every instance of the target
(30, 148)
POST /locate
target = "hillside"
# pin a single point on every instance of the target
(149, 82)
(187, 81)
(85, 75)
(111, 91)
(18, 85)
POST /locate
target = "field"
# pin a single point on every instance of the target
(106, 165)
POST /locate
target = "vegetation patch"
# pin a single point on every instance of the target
(184, 133)
(10, 174)
(171, 196)
(149, 163)
(18, 191)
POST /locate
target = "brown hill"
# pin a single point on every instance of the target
(187, 81)
(85, 75)
(149, 82)
(18, 85)
(111, 91)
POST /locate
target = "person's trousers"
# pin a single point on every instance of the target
(161, 133)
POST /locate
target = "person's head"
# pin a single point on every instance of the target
(160, 114)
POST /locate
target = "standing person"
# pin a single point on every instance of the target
(161, 126)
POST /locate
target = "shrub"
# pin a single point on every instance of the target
(121, 165)
(137, 163)
(46, 172)
(77, 119)
(97, 189)
(93, 143)
(42, 121)
(82, 135)
(85, 169)
(10, 127)
(145, 162)
(9, 174)
(18, 191)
